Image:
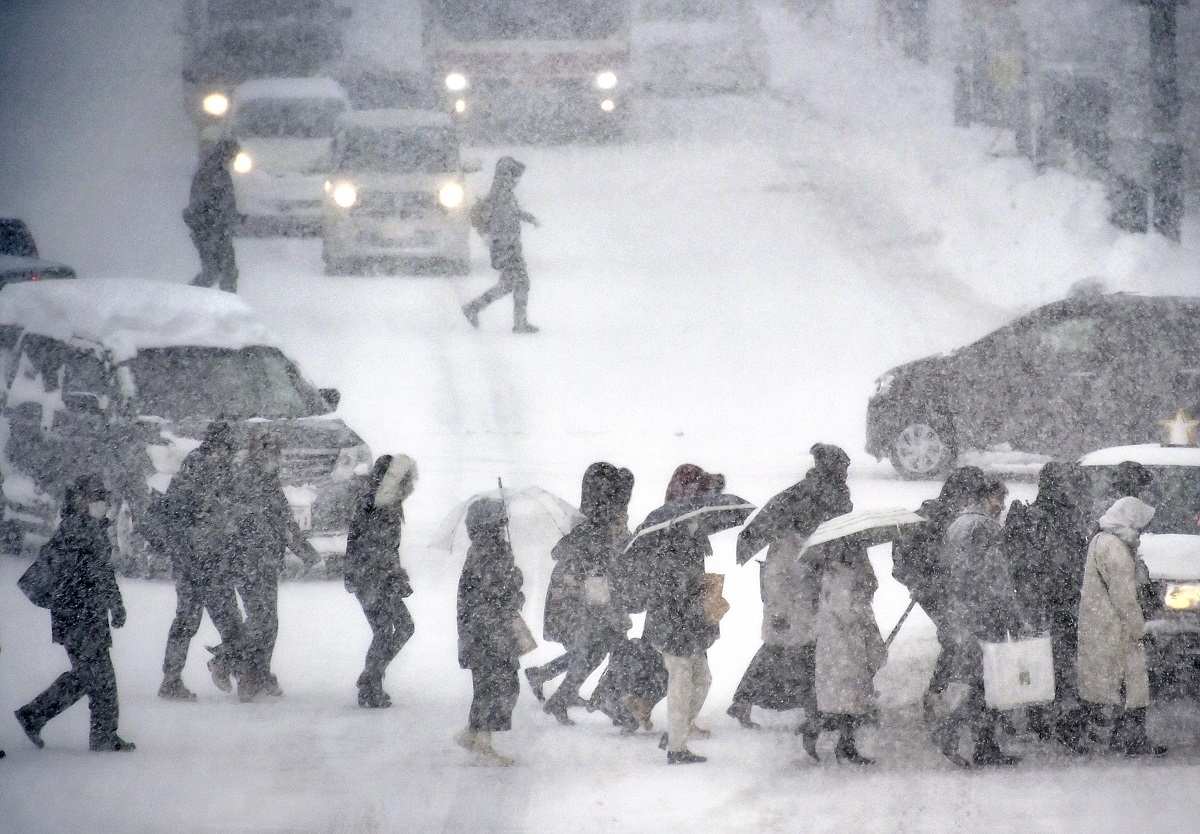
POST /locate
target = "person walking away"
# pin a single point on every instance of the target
(917, 564)
(498, 218)
(373, 571)
(780, 676)
(212, 217)
(266, 530)
(489, 605)
(199, 506)
(982, 606)
(1112, 629)
(849, 650)
(83, 600)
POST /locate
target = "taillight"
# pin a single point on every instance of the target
(35, 277)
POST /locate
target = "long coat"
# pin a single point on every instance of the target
(586, 554)
(849, 648)
(372, 567)
(85, 584)
(982, 601)
(790, 587)
(489, 599)
(675, 620)
(202, 504)
(1111, 626)
(211, 211)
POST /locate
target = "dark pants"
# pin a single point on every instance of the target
(391, 627)
(92, 675)
(550, 671)
(514, 278)
(780, 678)
(192, 599)
(494, 691)
(217, 261)
(583, 658)
(260, 597)
(973, 712)
(943, 666)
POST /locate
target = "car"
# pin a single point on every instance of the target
(19, 259)
(689, 46)
(1093, 370)
(1169, 547)
(122, 377)
(284, 127)
(397, 199)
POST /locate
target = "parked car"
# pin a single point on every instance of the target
(689, 46)
(122, 377)
(1091, 371)
(19, 259)
(285, 129)
(1170, 549)
(397, 199)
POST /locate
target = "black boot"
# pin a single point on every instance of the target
(810, 732)
(741, 712)
(988, 752)
(471, 311)
(684, 757)
(31, 725)
(112, 744)
(1136, 741)
(846, 750)
(536, 682)
(558, 708)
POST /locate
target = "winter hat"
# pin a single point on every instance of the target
(485, 517)
(509, 168)
(605, 491)
(1130, 478)
(829, 457)
(690, 481)
(401, 469)
(1127, 513)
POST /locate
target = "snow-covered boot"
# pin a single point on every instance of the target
(684, 756)
(846, 750)
(32, 726)
(1136, 741)
(487, 753)
(988, 753)
(558, 708)
(466, 740)
(172, 689)
(741, 713)
(220, 674)
(248, 687)
(271, 686)
(112, 744)
(640, 709)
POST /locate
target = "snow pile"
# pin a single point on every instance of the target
(1171, 556)
(1147, 454)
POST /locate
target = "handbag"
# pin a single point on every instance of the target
(1018, 673)
(523, 636)
(715, 605)
(37, 582)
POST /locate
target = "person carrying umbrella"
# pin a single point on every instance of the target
(780, 676)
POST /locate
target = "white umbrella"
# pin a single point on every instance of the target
(883, 525)
(529, 506)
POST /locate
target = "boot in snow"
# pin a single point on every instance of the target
(558, 709)
(1135, 741)
(640, 709)
(988, 753)
(31, 726)
(472, 314)
(220, 675)
(684, 756)
(271, 686)
(487, 753)
(847, 751)
(525, 327)
(741, 712)
(946, 740)
(249, 687)
(113, 744)
(466, 740)
(371, 694)
(172, 689)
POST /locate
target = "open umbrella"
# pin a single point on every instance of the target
(871, 527)
(527, 507)
(711, 514)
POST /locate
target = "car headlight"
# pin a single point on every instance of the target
(242, 163)
(1182, 597)
(456, 82)
(460, 106)
(451, 195)
(608, 105)
(353, 460)
(884, 384)
(215, 104)
(345, 194)
(606, 80)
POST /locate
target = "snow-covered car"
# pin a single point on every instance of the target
(285, 128)
(19, 259)
(682, 46)
(1091, 371)
(1170, 547)
(397, 198)
(122, 377)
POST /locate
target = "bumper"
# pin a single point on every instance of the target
(280, 204)
(437, 237)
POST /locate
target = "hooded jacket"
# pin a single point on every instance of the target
(981, 601)
(489, 592)
(503, 215)
(212, 205)
(373, 544)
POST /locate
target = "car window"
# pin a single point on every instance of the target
(419, 150)
(288, 118)
(1174, 494)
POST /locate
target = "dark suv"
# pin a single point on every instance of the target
(1091, 371)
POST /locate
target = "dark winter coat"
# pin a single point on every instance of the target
(489, 599)
(917, 556)
(503, 216)
(373, 546)
(982, 601)
(797, 510)
(200, 508)
(675, 621)
(84, 583)
(266, 527)
(212, 212)
(584, 558)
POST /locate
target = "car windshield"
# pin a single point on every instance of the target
(413, 150)
(532, 19)
(15, 239)
(1174, 494)
(685, 9)
(261, 11)
(295, 118)
(251, 382)
(288, 50)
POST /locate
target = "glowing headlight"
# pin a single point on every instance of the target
(242, 163)
(353, 460)
(328, 186)
(606, 80)
(608, 105)
(460, 106)
(345, 194)
(456, 82)
(884, 384)
(1182, 597)
(215, 104)
(451, 195)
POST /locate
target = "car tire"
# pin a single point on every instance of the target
(923, 448)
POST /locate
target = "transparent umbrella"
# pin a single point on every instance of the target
(531, 511)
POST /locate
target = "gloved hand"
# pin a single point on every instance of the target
(118, 616)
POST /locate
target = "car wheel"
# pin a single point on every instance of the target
(921, 450)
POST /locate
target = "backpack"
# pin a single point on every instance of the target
(481, 216)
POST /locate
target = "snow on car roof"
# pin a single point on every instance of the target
(1147, 454)
(289, 88)
(128, 315)
(394, 119)
(1171, 555)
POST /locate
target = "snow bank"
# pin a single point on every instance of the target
(1147, 454)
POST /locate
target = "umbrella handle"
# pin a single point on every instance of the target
(896, 630)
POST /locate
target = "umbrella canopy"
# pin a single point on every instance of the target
(529, 506)
(711, 513)
(872, 526)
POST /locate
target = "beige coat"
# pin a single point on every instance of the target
(789, 588)
(1111, 625)
(849, 648)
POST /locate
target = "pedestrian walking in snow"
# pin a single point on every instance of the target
(373, 571)
(80, 589)
(849, 650)
(489, 627)
(200, 506)
(982, 606)
(917, 564)
(1112, 629)
(581, 612)
(498, 218)
(780, 676)
(266, 530)
(212, 217)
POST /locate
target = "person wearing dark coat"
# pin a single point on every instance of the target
(580, 612)
(489, 604)
(499, 221)
(374, 574)
(212, 217)
(781, 674)
(200, 506)
(266, 530)
(85, 599)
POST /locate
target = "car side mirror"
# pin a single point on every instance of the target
(332, 396)
(81, 402)
(472, 166)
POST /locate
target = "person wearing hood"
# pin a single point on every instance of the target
(212, 216)
(580, 612)
(780, 676)
(1112, 628)
(83, 600)
(373, 571)
(488, 608)
(498, 218)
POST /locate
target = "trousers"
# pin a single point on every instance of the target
(91, 674)
(688, 681)
(260, 596)
(218, 264)
(494, 691)
(514, 278)
(391, 627)
(193, 598)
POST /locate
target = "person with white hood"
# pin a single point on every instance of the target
(1112, 656)
(373, 572)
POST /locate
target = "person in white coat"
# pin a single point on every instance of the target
(1112, 657)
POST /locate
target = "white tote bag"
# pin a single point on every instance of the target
(1017, 673)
